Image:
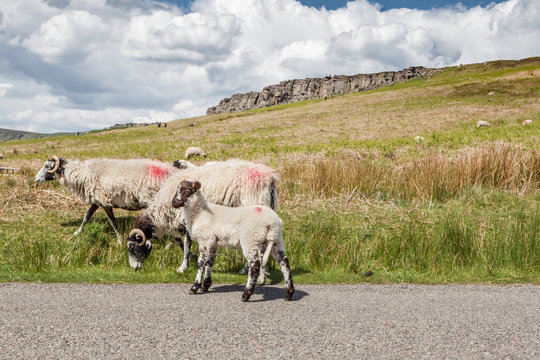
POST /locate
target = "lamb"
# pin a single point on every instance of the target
(109, 183)
(194, 151)
(231, 183)
(255, 229)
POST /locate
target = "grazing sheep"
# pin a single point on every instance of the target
(194, 151)
(254, 229)
(231, 183)
(482, 123)
(525, 122)
(125, 184)
(491, 93)
(419, 139)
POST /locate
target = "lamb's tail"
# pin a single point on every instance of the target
(267, 252)
(273, 237)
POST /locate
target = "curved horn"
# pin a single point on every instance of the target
(140, 232)
(56, 164)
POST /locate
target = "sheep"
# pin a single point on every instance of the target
(255, 229)
(125, 184)
(419, 139)
(194, 151)
(481, 123)
(525, 122)
(231, 183)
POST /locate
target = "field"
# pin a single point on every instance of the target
(358, 193)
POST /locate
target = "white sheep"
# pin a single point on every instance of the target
(256, 230)
(527, 122)
(419, 139)
(194, 151)
(232, 183)
(482, 123)
(109, 183)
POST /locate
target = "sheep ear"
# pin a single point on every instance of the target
(196, 186)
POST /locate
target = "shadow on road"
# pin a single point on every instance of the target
(268, 292)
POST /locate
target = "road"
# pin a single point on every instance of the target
(162, 321)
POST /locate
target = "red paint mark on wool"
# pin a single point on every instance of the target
(158, 172)
(258, 209)
(254, 175)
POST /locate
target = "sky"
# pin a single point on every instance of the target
(76, 65)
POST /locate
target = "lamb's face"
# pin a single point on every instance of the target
(139, 242)
(51, 170)
(184, 193)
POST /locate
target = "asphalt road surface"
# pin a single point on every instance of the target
(58, 321)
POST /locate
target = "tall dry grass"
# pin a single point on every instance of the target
(435, 176)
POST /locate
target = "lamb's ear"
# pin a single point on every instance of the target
(196, 186)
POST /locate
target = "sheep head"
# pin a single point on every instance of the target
(52, 169)
(184, 192)
(139, 241)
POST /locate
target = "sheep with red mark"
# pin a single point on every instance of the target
(109, 183)
(231, 183)
(255, 230)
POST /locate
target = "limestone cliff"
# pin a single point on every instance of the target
(314, 88)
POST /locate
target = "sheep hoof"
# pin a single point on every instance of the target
(244, 271)
(289, 294)
(206, 285)
(246, 295)
(261, 281)
(194, 289)
(181, 268)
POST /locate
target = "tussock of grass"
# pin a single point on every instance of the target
(435, 176)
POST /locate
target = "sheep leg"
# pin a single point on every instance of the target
(254, 268)
(87, 217)
(264, 269)
(207, 282)
(283, 261)
(187, 253)
(200, 267)
(112, 221)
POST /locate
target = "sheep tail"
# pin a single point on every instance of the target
(267, 252)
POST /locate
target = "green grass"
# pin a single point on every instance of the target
(357, 193)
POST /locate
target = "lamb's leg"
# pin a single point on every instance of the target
(87, 217)
(200, 267)
(207, 282)
(112, 221)
(254, 268)
(187, 253)
(283, 261)
(263, 274)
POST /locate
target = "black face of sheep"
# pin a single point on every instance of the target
(139, 242)
(52, 169)
(184, 192)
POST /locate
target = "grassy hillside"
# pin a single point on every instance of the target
(358, 192)
(7, 135)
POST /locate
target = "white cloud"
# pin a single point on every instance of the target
(81, 64)
(4, 88)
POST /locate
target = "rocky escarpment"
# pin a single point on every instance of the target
(314, 88)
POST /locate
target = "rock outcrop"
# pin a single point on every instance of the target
(315, 88)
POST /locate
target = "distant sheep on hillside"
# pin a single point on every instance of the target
(482, 123)
(194, 151)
